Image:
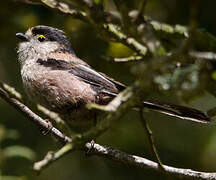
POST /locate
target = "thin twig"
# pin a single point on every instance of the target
(65, 8)
(10, 91)
(203, 55)
(52, 157)
(134, 58)
(58, 121)
(130, 42)
(151, 139)
(143, 5)
(146, 34)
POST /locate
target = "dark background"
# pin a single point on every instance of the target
(180, 143)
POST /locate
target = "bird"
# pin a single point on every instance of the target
(56, 78)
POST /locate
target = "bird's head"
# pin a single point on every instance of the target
(42, 40)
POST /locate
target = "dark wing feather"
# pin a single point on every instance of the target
(100, 82)
(178, 111)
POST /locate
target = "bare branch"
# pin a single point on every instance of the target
(65, 8)
(122, 157)
(134, 58)
(115, 103)
(52, 157)
(203, 55)
(130, 42)
(11, 91)
(31, 115)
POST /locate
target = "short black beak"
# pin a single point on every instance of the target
(22, 36)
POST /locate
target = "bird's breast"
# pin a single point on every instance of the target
(55, 88)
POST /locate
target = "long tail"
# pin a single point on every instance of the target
(177, 111)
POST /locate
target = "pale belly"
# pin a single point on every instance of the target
(61, 92)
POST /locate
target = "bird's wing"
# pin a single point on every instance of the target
(99, 81)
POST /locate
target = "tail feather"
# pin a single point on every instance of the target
(177, 111)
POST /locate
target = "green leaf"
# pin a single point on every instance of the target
(214, 75)
(96, 1)
(19, 151)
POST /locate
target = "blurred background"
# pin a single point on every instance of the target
(180, 143)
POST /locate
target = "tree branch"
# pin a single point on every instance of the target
(31, 115)
(124, 158)
(66, 9)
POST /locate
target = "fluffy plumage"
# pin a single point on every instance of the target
(54, 77)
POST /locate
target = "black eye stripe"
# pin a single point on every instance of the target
(49, 33)
(53, 34)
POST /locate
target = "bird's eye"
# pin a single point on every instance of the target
(41, 38)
